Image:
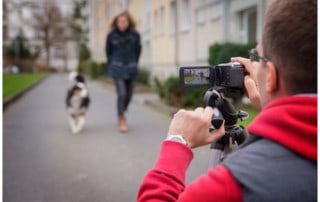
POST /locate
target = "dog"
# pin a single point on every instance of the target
(77, 102)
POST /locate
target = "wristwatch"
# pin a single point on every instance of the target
(177, 138)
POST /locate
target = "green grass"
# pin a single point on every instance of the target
(252, 114)
(14, 83)
(187, 79)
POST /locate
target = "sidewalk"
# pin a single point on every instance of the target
(152, 100)
(140, 96)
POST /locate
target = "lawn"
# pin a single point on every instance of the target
(187, 79)
(252, 114)
(14, 83)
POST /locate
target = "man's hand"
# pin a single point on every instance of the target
(194, 127)
(250, 81)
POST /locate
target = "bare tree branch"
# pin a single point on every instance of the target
(48, 23)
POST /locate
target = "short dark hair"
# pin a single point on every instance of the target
(290, 41)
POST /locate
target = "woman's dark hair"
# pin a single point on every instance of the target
(290, 41)
(132, 23)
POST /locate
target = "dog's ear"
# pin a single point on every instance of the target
(80, 78)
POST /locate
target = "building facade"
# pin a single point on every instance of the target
(177, 33)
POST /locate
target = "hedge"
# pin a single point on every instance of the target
(93, 69)
(143, 76)
(222, 52)
(178, 96)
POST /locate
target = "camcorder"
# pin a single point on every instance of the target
(224, 79)
(230, 76)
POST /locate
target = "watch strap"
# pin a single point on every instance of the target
(176, 138)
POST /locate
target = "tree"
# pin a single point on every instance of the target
(49, 26)
(23, 50)
(79, 30)
(18, 47)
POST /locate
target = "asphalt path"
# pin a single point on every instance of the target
(44, 162)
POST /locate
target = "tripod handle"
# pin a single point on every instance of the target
(217, 118)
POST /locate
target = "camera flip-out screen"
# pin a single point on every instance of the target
(196, 76)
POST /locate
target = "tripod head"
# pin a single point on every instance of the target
(224, 111)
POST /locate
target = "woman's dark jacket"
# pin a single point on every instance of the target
(123, 51)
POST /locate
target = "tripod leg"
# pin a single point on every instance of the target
(227, 150)
(217, 155)
(215, 158)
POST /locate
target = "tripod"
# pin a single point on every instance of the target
(224, 111)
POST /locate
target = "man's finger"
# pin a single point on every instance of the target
(244, 61)
(251, 87)
(252, 90)
(208, 111)
(199, 109)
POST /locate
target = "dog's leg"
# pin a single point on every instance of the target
(73, 125)
(80, 124)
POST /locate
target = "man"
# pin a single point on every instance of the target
(278, 162)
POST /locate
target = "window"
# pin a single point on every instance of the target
(214, 12)
(161, 21)
(156, 23)
(185, 15)
(248, 25)
(147, 15)
(201, 16)
(173, 17)
(59, 52)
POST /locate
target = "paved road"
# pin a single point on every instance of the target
(44, 162)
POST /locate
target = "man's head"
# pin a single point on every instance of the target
(289, 42)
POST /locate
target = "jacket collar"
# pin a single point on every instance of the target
(290, 121)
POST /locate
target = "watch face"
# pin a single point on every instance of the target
(177, 138)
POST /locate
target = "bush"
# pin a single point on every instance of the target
(159, 88)
(221, 53)
(19, 47)
(193, 96)
(173, 92)
(84, 53)
(93, 69)
(176, 95)
(79, 69)
(143, 76)
(104, 68)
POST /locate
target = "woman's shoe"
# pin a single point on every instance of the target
(122, 124)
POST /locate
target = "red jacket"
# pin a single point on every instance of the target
(166, 181)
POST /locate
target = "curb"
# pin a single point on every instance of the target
(10, 100)
(161, 107)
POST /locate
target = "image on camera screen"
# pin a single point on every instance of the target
(197, 76)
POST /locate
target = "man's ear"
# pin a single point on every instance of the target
(272, 84)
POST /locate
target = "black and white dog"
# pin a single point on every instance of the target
(77, 102)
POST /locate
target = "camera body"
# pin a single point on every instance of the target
(227, 75)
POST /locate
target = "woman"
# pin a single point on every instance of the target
(123, 50)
